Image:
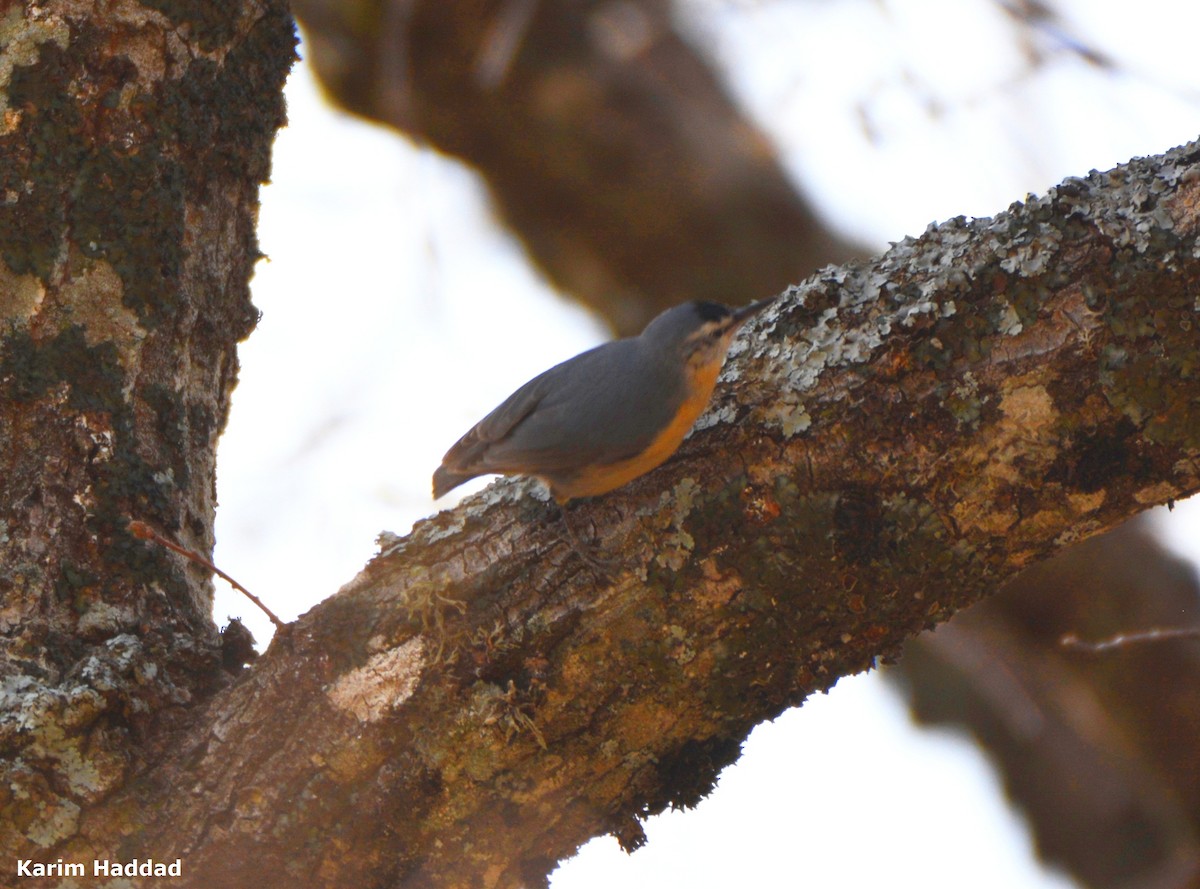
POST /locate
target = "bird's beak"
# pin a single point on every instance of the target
(745, 313)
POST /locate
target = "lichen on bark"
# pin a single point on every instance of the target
(131, 152)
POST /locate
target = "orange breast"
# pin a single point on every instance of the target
(594, 480)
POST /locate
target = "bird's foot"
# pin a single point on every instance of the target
(587, 551)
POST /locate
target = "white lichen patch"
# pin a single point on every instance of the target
(92, 299)
(20, 296)
(789, 415)
(382, 684)
(847, 334)
(21, 38)
(1028, 407)
(1010, 322)
(1156, 494)
(123, 657)
(59, 819)
(1131, 205)
(504, 490)
(1085, 503)
(677, 544)
(723, 412)
(1026, 429)
(53, 723)
(102, 618)
(22, 703)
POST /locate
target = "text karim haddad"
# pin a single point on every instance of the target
(101, 867)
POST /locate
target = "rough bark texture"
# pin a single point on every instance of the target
(610, 147)
(665, 191)
(480, 701)
(896, 440)
(132, 143)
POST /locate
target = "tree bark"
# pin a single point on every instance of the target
(893, 441)
(132, 144)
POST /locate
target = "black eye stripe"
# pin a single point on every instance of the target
(710, 311)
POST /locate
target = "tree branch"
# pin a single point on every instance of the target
(895, 440)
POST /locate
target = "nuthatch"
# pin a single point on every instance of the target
(608, 415)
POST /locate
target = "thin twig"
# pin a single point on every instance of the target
(142, 531)
(1122, 640)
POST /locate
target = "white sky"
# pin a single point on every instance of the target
(395, 314)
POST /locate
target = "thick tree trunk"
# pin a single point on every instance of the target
(895, 440)
(132, 144)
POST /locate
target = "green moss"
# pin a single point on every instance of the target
(171, 427)
(878, 545)
(210, 24)
(126, 485)
(688, 774)
(214, 123)
(126, 208)
(965, 407)
(76, 585)
(1140, 369)
(129, 211)
(92, 373)
(129, 487)
(1027, 300)
(225, 116)
(45, 150)
(144, 563)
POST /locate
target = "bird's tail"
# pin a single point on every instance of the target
(446, 480)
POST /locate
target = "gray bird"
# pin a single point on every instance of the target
(603, 418)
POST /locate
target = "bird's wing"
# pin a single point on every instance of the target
(509, 413)
(469, 453)
(576, 413)
(595, 408)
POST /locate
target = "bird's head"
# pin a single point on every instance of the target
(699, 331)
